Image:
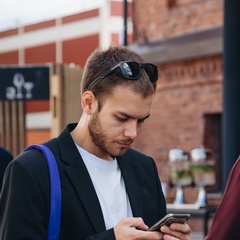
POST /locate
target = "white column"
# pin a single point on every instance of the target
(58, 41)
(104, 26)
(21, 53)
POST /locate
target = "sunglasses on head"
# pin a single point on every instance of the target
(131, 70)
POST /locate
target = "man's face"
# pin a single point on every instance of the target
(116, 126)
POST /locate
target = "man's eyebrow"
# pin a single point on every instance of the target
(129, 116)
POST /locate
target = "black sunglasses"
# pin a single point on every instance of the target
(131, 70)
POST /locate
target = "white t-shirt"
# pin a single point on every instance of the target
(110, 188)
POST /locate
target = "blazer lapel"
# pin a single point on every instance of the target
(83, 185)
(80, 179)
(130, 174)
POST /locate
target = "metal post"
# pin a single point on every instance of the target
(231, 86)
(125, 14)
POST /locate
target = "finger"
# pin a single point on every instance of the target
(153, 235)
(184, 228)
(168, 237)
(139, 224)
(135, 223)
(176, 232)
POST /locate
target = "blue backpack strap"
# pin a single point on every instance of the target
(55, 192)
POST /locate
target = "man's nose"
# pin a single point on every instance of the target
(131, 130)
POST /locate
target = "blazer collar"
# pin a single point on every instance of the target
(131, 176)
(80, 179)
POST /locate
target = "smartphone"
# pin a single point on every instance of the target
(169, 219)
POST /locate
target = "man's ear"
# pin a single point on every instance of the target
(88, 99)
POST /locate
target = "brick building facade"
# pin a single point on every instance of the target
(184, 38)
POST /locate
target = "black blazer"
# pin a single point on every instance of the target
(24, 201)
(5, 158)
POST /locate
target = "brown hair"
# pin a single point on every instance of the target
(101, 61)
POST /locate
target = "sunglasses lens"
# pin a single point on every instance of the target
(151, 71)
(130, 70)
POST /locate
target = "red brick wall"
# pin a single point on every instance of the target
(41, 54)
(37, 136)
(80, 16)
(187, 90)
(37, 106)
(38, 26)
(9, 57)
(77, 50)
(154, 20)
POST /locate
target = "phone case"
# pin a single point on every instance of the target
(169, 219)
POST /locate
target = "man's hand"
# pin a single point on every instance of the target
(135, 228)
(176, 231)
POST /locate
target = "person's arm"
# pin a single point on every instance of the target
(22, 206)
(225, 224)
(5, 158)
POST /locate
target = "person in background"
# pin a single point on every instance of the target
(225, 223)
(5, 158)
(109, 190)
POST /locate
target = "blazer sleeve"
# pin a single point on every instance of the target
(225, 224)
(24, 212)
(5, 158)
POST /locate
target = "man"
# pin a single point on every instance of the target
(109, 191)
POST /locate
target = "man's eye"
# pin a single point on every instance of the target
(120, 119)
(141, 121)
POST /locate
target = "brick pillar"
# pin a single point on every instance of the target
(231, 84)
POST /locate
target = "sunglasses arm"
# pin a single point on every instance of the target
(99, 78)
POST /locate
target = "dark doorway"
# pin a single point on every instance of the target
(212, 140)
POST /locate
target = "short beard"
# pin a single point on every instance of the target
(96, 132)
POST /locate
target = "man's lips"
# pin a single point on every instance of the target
(124, 144)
